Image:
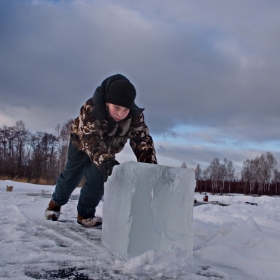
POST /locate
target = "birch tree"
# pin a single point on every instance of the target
(230, 173)
(214, 169)
(198, 176)
(222, 176)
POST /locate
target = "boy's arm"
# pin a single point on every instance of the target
(140, 140)
(86, 135)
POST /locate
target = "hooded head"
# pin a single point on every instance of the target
(122, 93)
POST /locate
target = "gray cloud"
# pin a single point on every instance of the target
(215, 67)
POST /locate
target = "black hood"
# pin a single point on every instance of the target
(99, 98)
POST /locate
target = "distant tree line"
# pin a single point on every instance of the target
(33, 157)
(259, 176)
(39, 158)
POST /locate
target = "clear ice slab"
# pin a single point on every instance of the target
(148, 207)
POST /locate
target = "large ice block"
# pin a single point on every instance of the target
(148, 207)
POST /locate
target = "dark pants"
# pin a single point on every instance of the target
(78, 166)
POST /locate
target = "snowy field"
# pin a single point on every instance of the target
(239, 241)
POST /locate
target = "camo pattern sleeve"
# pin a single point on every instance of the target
(140, 140)
(86, 135)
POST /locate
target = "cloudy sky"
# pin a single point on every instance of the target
(206, 72)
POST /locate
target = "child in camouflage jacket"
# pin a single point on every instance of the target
(105, 123)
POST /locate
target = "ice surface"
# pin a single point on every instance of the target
(148, 207)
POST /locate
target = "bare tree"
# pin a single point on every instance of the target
(250, 172)
(21, 153)
(183, 165)
(222, 175)
(230, 173)
(206, 177)
(276, 179)
(63, 139)
(214, 169)
(260, 170)
(198, 177)
(271, 167)
(267, 165)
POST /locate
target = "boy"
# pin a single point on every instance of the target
(101, 130)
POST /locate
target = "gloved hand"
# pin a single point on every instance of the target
(107, 168)
(146, 156)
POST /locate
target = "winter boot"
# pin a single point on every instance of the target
(53, 211)
(95, 222)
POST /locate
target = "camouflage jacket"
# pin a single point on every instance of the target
(101, 137)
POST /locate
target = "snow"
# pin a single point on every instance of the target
(148, 207)
(240, 241)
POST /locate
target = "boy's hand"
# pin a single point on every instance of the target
(107, 168)
(146, 156)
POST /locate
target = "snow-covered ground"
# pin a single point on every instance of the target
(239, 241)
